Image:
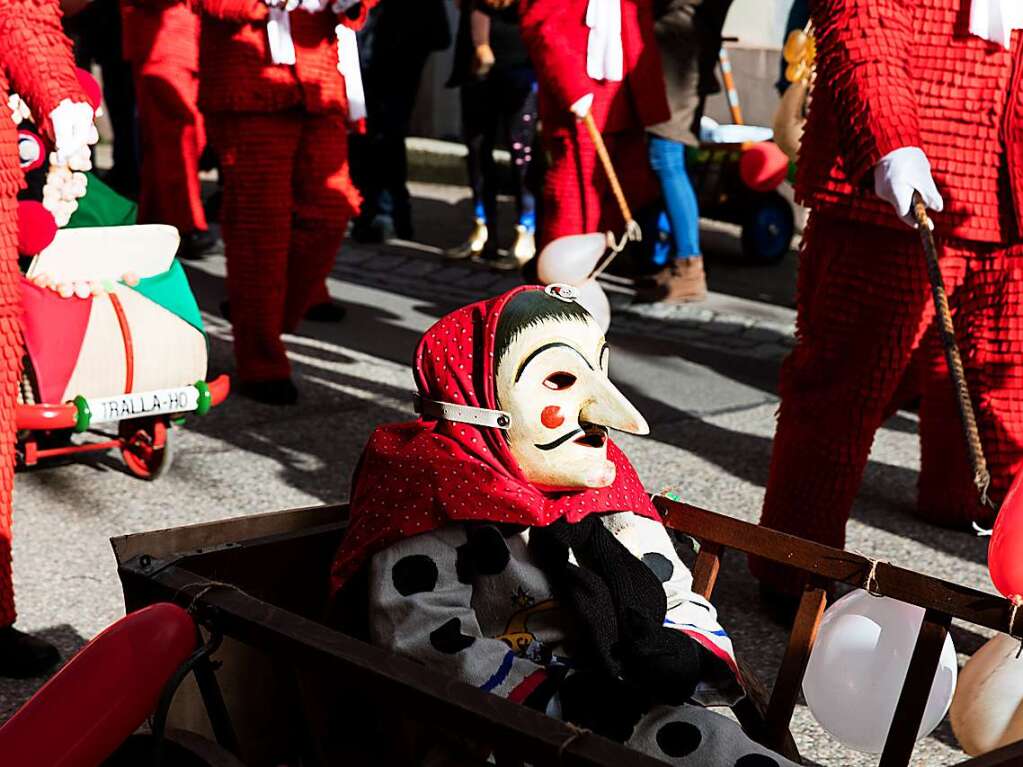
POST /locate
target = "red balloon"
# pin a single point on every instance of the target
(763, 166)
(36, 227)
(103, 694)
(91, 88)
(1005, 552)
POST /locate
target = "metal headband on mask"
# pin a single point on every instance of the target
(449, 411)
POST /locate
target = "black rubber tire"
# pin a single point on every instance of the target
(767, 229)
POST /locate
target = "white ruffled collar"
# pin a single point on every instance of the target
(995, 20)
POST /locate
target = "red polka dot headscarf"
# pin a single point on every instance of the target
(415, 477)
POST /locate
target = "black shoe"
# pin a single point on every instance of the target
(196, 244)
(328, 311)
(225, 310)
(277, 391)
(376, 230)
(23, 655)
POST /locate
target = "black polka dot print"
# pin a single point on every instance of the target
(449, 638)
(679, 738)
(485, 553)
(414, 574)
(660, 564)
(489, 550)
(756, 760)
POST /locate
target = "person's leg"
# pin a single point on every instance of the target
(170, 130)
(474, 98)
(668, 161)
(324, 201)
(863, 305)
(20, 655)
(571, 204)
(520, 111)
(257, 154)
(988, 317)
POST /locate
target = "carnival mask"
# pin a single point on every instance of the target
(552, 381)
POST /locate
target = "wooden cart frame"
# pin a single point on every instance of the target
(223, 572)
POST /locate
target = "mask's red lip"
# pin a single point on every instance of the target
(593, 436)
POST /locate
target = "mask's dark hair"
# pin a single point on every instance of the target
(528, 309)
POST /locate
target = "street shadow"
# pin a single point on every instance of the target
(14, 692)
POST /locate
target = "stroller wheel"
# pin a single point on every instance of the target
(146, 446)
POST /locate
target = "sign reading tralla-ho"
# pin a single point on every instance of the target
(180, 400)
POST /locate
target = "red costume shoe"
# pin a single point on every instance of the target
(577, 196)
(280, 131)
(889, 76)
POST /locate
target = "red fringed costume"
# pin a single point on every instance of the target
(577, 197)
(889, 75)
(281, 134)
(161, 40)
(35, 62)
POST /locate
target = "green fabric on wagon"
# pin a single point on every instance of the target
(102, 206)
(172, 291)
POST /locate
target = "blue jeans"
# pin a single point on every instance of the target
(668, 160)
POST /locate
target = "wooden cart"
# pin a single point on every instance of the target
(298, 691)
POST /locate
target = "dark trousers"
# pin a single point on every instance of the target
(501, 107)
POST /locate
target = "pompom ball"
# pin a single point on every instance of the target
(90, 87)
(763, 166)
(36, 227)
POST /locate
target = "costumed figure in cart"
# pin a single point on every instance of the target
(508, 542)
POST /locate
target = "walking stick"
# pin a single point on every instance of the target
(981, 476)
(632, 230)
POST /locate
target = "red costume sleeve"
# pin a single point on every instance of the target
(862, 58)
(234, 10)
(555, 35)
(36, 55)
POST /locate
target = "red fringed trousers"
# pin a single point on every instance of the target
(287, 202)
(577, 196)
(165, 65)
(10, 350)
(864, 305)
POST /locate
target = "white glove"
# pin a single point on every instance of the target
(582, 107)
(73, 129)
(899, 174)
(282, 5)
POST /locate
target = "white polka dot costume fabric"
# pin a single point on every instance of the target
(414, 477)
(470, 601)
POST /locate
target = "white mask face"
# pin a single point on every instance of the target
(552, 380)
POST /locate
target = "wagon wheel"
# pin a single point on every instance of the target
(181, 748)
(767, 229)
(146, 446)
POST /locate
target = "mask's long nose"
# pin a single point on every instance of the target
(608, 407)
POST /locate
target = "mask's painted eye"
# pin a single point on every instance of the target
(559, 381)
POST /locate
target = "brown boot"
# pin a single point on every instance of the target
(679, 282)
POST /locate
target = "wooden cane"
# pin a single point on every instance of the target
(981, 476)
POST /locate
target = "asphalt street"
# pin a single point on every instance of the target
(704, 376)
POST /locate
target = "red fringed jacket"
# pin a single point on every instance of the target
(892, 74)
(236, 74)
(556, 34)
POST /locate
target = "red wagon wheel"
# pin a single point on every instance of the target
(146, 446)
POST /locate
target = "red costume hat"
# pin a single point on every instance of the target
(418, 476)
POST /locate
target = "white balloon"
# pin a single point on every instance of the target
(594, 300)
(570, 259)
(855, 673)
(987, 710)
